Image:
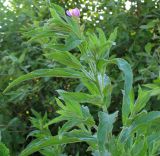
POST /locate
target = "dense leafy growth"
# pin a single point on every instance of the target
(80, 92)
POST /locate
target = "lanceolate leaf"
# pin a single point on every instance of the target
(143, 120)
(57, 11)
(139, 147)
(107, 92)
(104, 129)
(125, 67)
(56, 72)
(110, 42)
(72, 137)
(65, 58)
(128, 78)
(91, 86)
(80, 97)
(143, 97)
(72, 43)
(38, 144)
(73, 113)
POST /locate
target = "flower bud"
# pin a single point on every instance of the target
(73, 12)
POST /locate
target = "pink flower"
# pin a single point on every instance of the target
(73, 12)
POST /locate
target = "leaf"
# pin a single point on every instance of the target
(110, 42)
(72, 43)
(141, 121)
(70, 111)
(148, 47)
(57, 11)
(107, 91)
(154, 88)
(98, 45)
(66, 126)
(54, 13)
(101, 65)
(49, 151)
(65, 58)
(139, 147)
(101, 35)
(132, 100)
(4, 151)
(38, 144)
(56, 72)
(150, 25)
(55, 120)
(71, 137)
(73, 113)
(105, 129)
(90, 85)
(125, 67)
(154, 143)
(96, 153)
(80, 97)
(143, 98)
(89, 120)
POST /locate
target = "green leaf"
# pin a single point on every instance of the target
(110, 42)
(54, 14)
(72, 42)
(141, 121)
(71, 137)
(96, 153)
(143, 98)
(154, 88)
(39, 144)
(65, 58)
(66, 126)
(148, 47)
(139, 147)
(101, 35)
(150, 25)
(4, 151)
(154, 143)
(89, 120)
(55, 120)
(73, 113)
(71, 110)
(56, 72)
(128, 78)
(105, 129)
(107, 91)
(91, 86)
(80, 97)
(57, 11)
(125, 67)
(49, 151)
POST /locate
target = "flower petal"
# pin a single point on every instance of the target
(76, 12)
(68, 13)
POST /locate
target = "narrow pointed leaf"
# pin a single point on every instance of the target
(80, 97)
(56, 72)
(71, 137)
(142, 121)
(104, 129)
(65, 58)
(125, 67)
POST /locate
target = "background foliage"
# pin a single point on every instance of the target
(137, 41)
